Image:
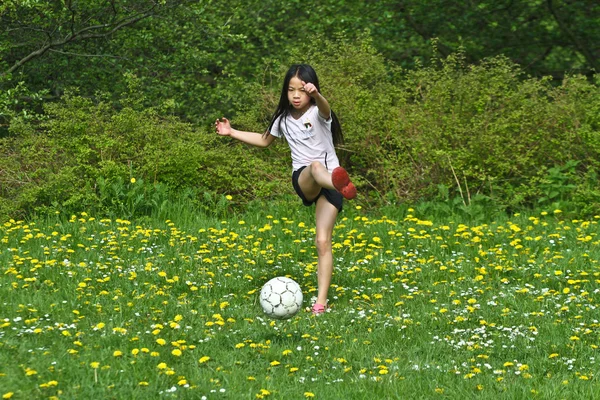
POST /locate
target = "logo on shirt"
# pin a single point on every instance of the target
(307, 124)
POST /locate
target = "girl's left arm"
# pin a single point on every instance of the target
(322, 103)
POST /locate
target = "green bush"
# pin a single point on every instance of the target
(469, 138)
(86, 152)
(483, 131)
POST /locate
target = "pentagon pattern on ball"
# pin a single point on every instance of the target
(281, 298)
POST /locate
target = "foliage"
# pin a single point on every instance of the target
(86, 151)
(485, 132)
(472, 136)
(200, 55)
(553, 37)
(18, 102)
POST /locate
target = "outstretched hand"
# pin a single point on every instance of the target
(310, 89)
(223, 127)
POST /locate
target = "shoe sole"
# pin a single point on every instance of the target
(341, 182)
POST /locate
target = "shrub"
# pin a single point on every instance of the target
(470, 137)
(87, 149)
(483, 130)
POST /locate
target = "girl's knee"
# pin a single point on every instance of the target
(323, 245)
(316, 165)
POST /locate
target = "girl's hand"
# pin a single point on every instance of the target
(223, 127)
(310, 89)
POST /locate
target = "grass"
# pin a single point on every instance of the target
(99, 308)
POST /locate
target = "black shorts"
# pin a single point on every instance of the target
(332, 196)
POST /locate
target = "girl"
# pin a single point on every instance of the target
(311, 129)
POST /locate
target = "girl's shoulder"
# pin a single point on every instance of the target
(313, 109)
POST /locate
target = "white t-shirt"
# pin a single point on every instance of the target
(309, 137)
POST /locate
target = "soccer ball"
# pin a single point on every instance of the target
(281, 298)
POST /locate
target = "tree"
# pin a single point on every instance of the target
(546, 37)
(42, 40)
(33, 28)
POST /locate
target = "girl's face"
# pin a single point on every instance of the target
(298, 98)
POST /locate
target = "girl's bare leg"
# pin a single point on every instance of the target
(325, 215)
(313, 178)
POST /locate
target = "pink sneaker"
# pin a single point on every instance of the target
(318, 309)
(341, 181)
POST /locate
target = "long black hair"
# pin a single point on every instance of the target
(307, 74)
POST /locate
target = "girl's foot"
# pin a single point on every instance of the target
(341, 181)
(318, 309)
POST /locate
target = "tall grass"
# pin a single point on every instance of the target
(505, 307)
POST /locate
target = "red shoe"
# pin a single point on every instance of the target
(318, 309)
(341, 181)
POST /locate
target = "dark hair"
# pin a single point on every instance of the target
(307, 74)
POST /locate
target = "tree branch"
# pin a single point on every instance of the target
(89, 32)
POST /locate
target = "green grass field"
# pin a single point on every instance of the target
(420, 309)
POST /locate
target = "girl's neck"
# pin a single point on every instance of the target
(296, 114)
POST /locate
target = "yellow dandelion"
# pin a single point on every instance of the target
(309, 394)
(204, 359)
(162, 342)
(94, 364)
(117, 353)
(176, 352)
(8, 395)
(132, 180)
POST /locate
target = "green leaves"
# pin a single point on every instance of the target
(144, 70)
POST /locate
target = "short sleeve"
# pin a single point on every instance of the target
(274, 131)
(323, 120)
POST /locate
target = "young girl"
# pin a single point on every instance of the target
(311, 129)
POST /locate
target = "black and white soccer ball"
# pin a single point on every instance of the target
(281, 297)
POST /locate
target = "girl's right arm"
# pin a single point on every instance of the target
(223, 128)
